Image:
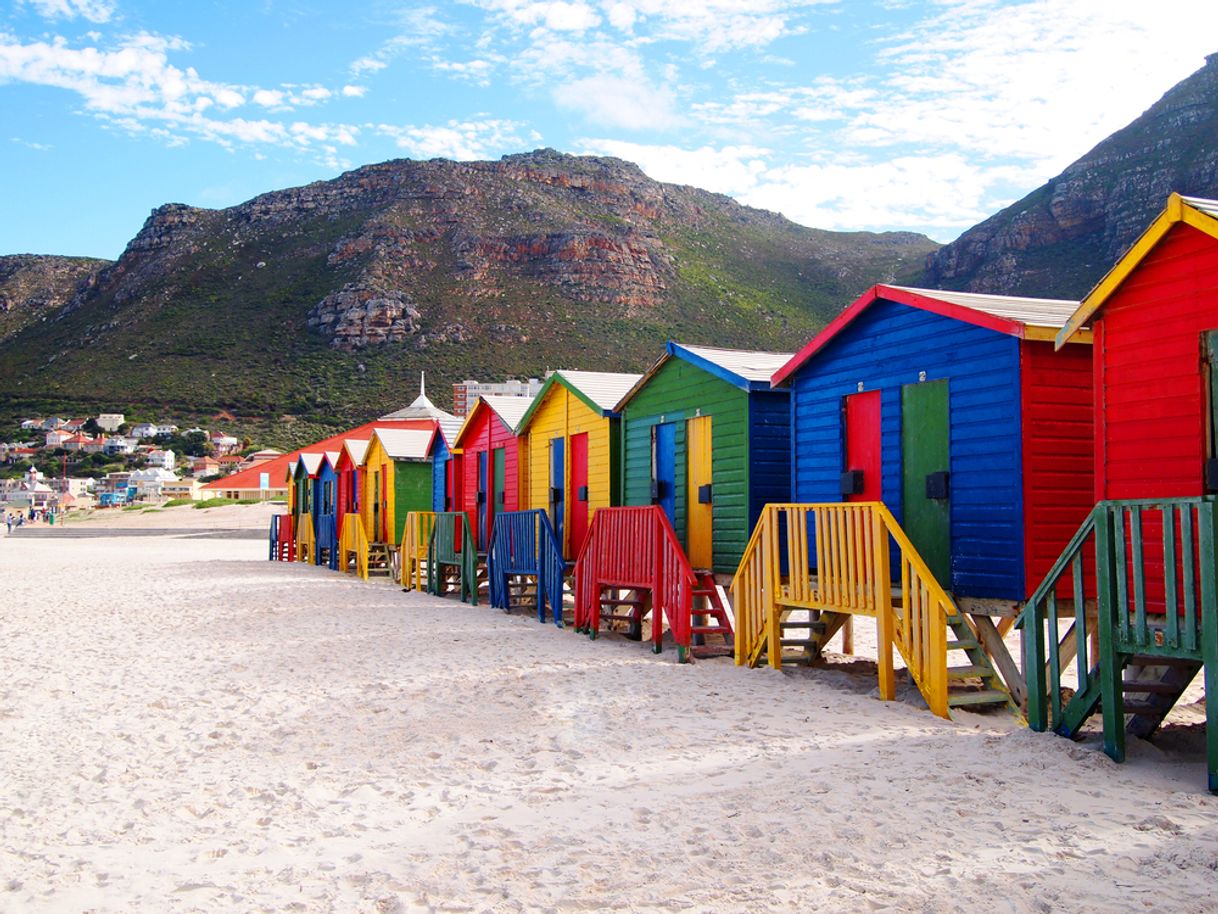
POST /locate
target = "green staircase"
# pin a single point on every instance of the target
(1137, 589)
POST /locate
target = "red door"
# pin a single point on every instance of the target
(578, 493)
(863, 446)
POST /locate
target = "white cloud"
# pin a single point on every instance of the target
(134, 87)
(354, 91)
(461, 140)
(93, 10)
(730, 170)
(611, 101)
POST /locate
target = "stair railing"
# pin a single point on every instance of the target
(306, 541)
(353, 544)
(1141, 576)
(416, 540)
(839, 558)
(636, 549)
(275, 550)
(524, 542)
(452, 545)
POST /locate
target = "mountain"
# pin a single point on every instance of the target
(1059, 240)
(317, 306)
(33, 286)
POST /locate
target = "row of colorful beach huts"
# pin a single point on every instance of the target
(949, 464)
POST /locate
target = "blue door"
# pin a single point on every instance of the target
(664, 469)
(482, 500)
(557, 487)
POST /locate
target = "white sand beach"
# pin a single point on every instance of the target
(188, 727)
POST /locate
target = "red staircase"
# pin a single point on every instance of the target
(282, 538)
(632, 566)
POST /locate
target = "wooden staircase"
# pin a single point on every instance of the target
(810, 568)
(632, 568)
(353, 546)
(282, 539)
(452, 558)
(524, 566)
(1152, 566)
(412, 558)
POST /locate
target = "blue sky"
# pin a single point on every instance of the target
(926, 116)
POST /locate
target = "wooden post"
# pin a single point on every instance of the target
(883, 610)
(1106, 617)
(1208, 522)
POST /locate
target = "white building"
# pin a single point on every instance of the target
(468, 391)
(163, 459)
(110, 422)
(119, 445)
(148, 483)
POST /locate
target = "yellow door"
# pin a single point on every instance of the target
(698, 496)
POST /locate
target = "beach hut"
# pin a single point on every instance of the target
(445, 474)
(490, 462)
(1153, 536)
(324, 498)
(347, 470)
(569, 435)
(705, 436)
(304, 473)
(954, 410)
(396, 480)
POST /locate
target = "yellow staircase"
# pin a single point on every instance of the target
(353, 546)
(416, 536)
(810, 567)
(305, 540)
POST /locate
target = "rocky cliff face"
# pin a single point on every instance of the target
(416, 247)
(322, 301)
(1062, 238)
(35, 286)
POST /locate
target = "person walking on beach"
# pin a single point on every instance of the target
(8, 520)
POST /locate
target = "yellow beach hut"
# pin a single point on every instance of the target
(569, 449)
(396, 480)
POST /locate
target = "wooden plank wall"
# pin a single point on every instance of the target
(884, 348)
(1150, 438)
(674, 393)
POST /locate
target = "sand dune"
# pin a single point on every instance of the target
(188, 727)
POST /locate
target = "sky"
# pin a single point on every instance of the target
(840, 114)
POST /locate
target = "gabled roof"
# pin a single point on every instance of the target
(405, 443)
(746, 369)
(356, 448)
(598, 390)
(509, 409)
(310, 462)
(250, 477)
(1026, 318)
(1198, 212)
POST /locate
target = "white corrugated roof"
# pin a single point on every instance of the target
(750, 365)
(311, 462)
(357, 448)
(510, 409)
(1209, 207)
(1038, 312)
(405, 443)
(604, 388)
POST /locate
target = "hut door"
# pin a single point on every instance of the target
(664, 468)
(698, 495)
(926, 458)
(385, 538)
(498, 486)
(579, 491)
(483, 511)
(861, 479)
(376, 504)
(1211, 412)
(557, 502)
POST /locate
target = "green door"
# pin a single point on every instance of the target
(500, 487)
(925, 483)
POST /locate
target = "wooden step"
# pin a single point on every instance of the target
(1152, 660)
(963, 645)
(970, 671)
(982, 697)
(1151, 686)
